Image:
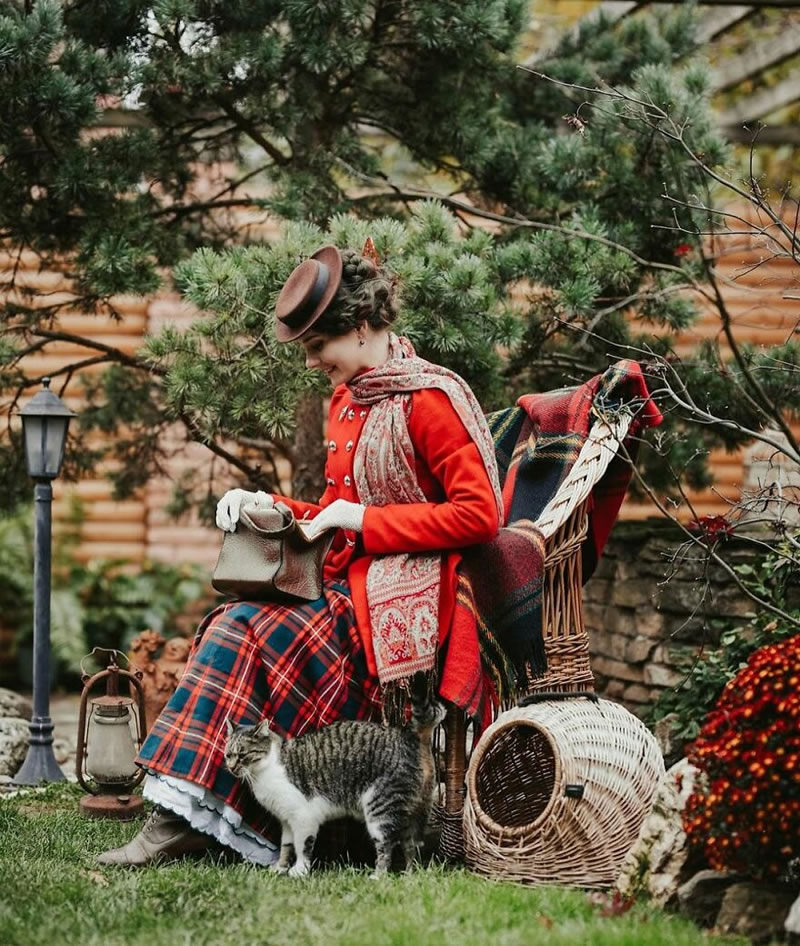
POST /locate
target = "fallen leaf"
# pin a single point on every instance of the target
(98, 878)
(611, 905)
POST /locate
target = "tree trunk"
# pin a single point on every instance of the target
(308, 476)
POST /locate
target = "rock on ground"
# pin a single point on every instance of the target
(701, 896)
(13, 744)
(755, 910)
(656, 865)
(12, 704)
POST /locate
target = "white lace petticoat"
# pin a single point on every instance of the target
(208, 814)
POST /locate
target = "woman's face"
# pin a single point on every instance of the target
(340, 357)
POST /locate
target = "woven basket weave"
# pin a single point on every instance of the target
(557, 792)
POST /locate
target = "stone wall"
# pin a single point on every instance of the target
(644, 631)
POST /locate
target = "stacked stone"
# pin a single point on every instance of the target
(644, 630)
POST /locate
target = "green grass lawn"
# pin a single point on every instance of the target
(52, 895)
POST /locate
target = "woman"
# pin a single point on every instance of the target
(411, 477)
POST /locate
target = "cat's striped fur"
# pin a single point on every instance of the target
(379, 774)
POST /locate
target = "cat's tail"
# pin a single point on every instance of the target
(426, 710)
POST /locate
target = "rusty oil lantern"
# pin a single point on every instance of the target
(105, 759)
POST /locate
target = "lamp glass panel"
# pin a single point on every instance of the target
(34, 430)
(110, 750)
(55, 438)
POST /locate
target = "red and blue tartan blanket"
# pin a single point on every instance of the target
(498, 607)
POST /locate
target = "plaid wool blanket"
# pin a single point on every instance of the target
(498, 607)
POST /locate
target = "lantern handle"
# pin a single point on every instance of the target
(113, 654)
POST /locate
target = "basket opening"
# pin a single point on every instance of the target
(516, 775)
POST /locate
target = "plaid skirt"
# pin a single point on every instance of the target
(302, 666)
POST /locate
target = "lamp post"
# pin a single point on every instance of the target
(44, 425)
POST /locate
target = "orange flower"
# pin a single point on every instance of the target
(748, 818)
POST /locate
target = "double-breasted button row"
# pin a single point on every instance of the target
(332, 482)
(332, 446)
(343, 479)
(349, 413)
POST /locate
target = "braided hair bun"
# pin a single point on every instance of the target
(357, 268)
(366, 294)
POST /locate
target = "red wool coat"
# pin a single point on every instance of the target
(460, 511)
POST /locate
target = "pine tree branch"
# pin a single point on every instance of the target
(184, 210)
(655, 118)
(251, 130)
(233, 185)
(412, 194)
(646, 294)
(68, 370)
(269, 448)
(243, 123)
(253, 473)
(754, 196)
(114, 354)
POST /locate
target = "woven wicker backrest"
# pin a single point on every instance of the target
(564, 524)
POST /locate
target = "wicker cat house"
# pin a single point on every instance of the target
(557, 791)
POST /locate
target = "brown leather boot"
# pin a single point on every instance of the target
(164, 836)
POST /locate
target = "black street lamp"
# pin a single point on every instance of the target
(44, 425)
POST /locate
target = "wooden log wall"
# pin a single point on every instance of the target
(138, 529)
(762, 296)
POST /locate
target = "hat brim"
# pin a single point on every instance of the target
(332, 258)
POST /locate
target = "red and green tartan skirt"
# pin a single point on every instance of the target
(302, 666)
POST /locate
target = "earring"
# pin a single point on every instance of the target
(361, 341)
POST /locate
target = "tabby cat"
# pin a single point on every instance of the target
(381, 775)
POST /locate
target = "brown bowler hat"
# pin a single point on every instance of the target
(307, 293)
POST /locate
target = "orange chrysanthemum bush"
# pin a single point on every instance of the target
(745, 816)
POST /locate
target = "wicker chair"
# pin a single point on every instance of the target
(564, 523)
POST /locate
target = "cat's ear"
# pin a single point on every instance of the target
(229, 727)
(262, 729)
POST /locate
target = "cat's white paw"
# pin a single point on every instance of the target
(299, 870)
(277, 868)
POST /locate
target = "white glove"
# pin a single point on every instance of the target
(228, 508)
(339, 515)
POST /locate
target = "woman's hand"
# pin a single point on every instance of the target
(229, 507)
(339, 515)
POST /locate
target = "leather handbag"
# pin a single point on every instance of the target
(269, 558)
